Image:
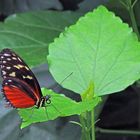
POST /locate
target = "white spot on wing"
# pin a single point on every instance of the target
(4, 62)
(27, 77)
(18, 66)
(13, 54)
(8, 68)
(3, 72)
(6, 54)
(14, 58)
(13, 74)
(26, 68)
(2, 56)
(9, 80)
(19, 59)
(9, 59)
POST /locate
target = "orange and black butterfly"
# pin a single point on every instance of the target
(20, 86)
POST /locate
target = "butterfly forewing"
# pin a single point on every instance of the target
(14, 69)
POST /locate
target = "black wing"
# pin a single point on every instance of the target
(14, 66)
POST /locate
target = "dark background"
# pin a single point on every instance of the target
(120, 111)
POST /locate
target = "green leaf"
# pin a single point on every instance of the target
(89, 93)
(99, 48)
(60, 106)
(30, 33)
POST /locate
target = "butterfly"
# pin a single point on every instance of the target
(20, 86)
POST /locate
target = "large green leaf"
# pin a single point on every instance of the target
(30, 33)
(60, 106)
(99, 48)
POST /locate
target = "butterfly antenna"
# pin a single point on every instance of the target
(54, 89)
(63, 80)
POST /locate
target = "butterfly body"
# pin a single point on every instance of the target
(42, 102)
(20, 86)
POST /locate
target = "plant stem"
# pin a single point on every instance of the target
(129, 7)
(85, 132)
(134, 3)
(118, 132)
(133, 20)
(92, 125)
(83, 126)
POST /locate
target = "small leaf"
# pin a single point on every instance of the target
(89, 93)
(99, 48)
(60, 106)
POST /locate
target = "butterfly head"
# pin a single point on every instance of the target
(47, 98)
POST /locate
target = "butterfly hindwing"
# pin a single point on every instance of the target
(18, 93)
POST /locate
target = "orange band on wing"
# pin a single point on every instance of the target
(17, 97)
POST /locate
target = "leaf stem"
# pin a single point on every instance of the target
(134, 3)
(77, 123)
(93, 125)
(84, 135)
(133, 20)
(118, 132)
(124, 4)
(85, 130)
(129, 7)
